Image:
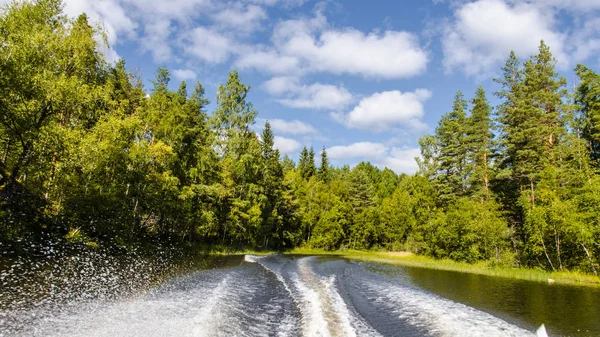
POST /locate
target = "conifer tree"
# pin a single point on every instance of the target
(587, 95)
(451, 137)
(508, 117)
(162, 80)
(182, 92)
(324, 171)
(272, 174)
(540, 127)
(306, 163)
(287, 164)
(480, 139)
(303, 162)
(311, 168)
(234, 116)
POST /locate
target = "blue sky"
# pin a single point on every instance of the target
(365, 79)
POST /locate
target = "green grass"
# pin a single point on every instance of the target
(482, 268)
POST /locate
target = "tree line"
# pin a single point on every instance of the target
(87, 153)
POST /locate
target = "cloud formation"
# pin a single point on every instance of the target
(313, 96)
(184, 74)
(294, 127)
(286, 145)
(398, 159)
(312, 46)
(482, 34)
(386, 110)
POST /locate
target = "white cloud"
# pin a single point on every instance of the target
(155, 39)
(364, 150)
(286, 145)
(484, 32)
(307, 45)
(269, 61)
(389, 55)
(294, 127)
(208, 44)
(400, 160)
(386, 110)
(287, 3)
(175, 9)
(184, 74)
(312, 96)
(281, 85)
(165, 28)
(152, 22)
(113, 16)
(264, 2)
(318, 96)
(245, 19)
(572, 5)
(587, 40)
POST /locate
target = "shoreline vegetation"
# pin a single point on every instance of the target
(90, 155)
(407, 259)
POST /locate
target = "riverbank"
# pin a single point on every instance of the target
(411, 260)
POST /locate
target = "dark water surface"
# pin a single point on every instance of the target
(280, 296)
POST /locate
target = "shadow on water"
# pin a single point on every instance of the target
(564, 310)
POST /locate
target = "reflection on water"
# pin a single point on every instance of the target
(564, 310)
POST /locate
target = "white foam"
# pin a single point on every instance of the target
(209, 317)
(438, 315)
(251, 258)
(324, 311)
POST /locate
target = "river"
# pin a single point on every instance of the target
(286, 296)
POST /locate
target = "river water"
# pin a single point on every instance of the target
(293, 296)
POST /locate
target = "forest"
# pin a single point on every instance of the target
(89, 155)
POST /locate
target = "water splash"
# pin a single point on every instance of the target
(55, 278)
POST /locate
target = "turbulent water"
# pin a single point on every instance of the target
(265, 296)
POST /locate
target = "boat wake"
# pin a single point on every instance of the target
(275, 296)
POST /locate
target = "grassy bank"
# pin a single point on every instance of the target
(482, 268)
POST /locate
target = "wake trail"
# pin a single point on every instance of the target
(239, 301)
(323, 311)
(436, 315)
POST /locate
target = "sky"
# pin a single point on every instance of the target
(364, 79)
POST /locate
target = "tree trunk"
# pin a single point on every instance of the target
(589, 257)
(485, 171)
(557, 240)
(546, 252)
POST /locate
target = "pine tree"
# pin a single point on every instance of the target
(587, 95)
(508, 117)
(287, 164)
(272, 174)
(539, 128)
(311, 168)
(480, 139)
(182, 92)
(240, 153)
(303, 162)
(532, 120)
(233, 115)
(306, 165)
(162, 79)
(451, 136)
(324, 171)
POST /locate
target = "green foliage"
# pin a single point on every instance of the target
(324, 170)
(452, 145)
(587, 96)
(87, 154)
